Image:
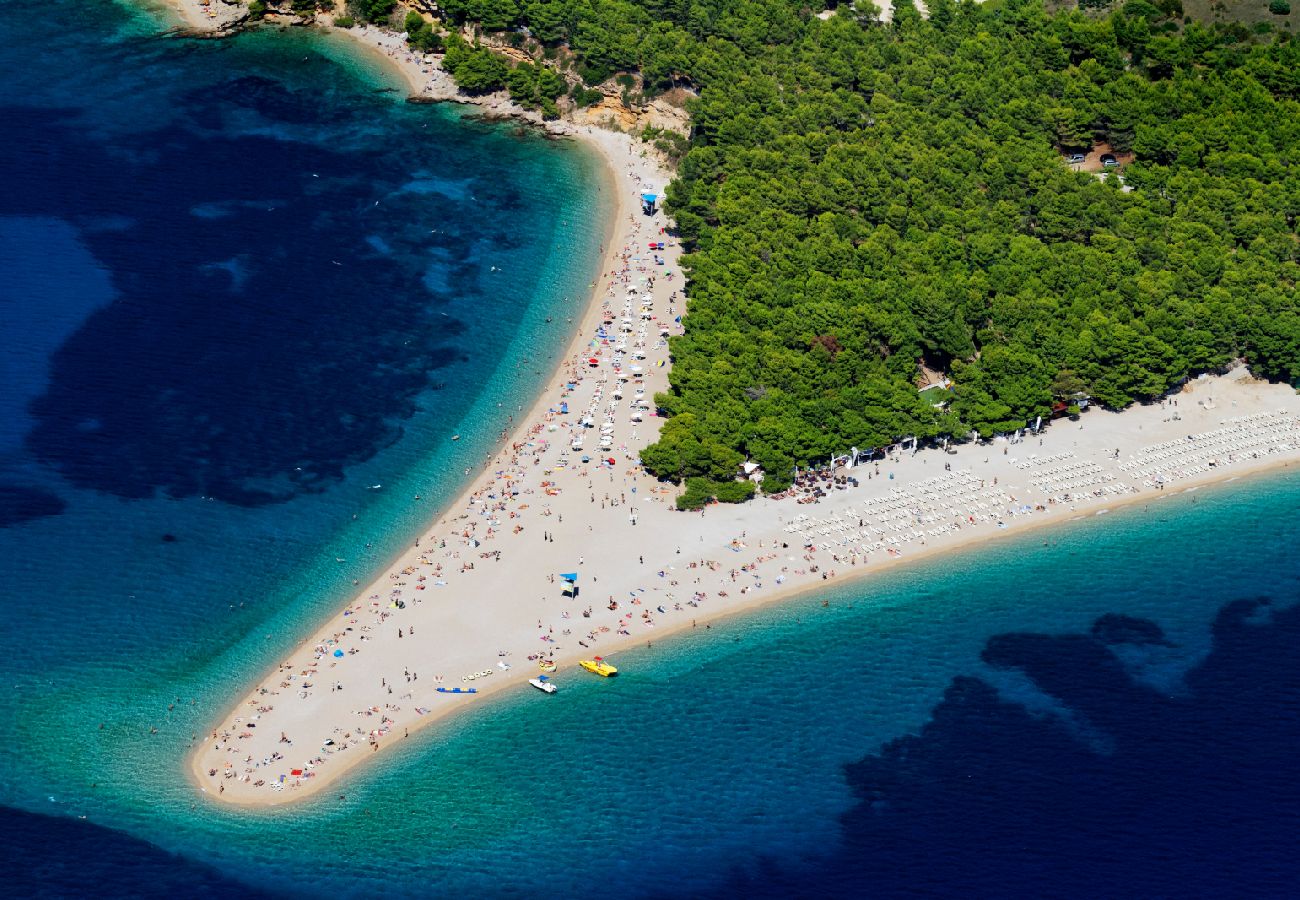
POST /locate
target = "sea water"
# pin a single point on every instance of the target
(184, 359)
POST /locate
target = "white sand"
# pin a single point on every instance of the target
(669, 570)
(480, 590)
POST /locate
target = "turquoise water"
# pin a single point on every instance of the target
(242, 283)
(713, 750)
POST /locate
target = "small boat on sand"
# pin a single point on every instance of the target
(543, 684)
(598, 666)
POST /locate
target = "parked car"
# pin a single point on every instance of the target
(1109, 161)
(1077, 158)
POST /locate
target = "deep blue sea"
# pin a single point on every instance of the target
(242, 283)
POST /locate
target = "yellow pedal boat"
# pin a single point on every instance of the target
(598, 666)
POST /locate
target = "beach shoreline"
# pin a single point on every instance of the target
(1014, 527)
(620, 212)
(611, 148)
(207, 18)
(645, 553)
(858, 579)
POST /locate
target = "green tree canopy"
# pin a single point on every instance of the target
(862, 201)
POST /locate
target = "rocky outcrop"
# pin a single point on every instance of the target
(619, 109)
(212, 19)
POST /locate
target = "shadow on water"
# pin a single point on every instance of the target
(229, 364)
(1123, 791)
(22, 504)
(61, 857)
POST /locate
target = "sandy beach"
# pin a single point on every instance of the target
(477, 603)
(208, 15)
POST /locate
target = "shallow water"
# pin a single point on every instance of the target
(183, 357)
(716, 750)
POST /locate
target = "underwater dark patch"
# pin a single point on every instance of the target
(23, 504)
(249, 356)
(1197, 795)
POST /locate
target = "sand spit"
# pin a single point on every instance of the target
(478, 602)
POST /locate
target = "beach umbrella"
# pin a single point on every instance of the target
(338, 652)
(569, 576)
